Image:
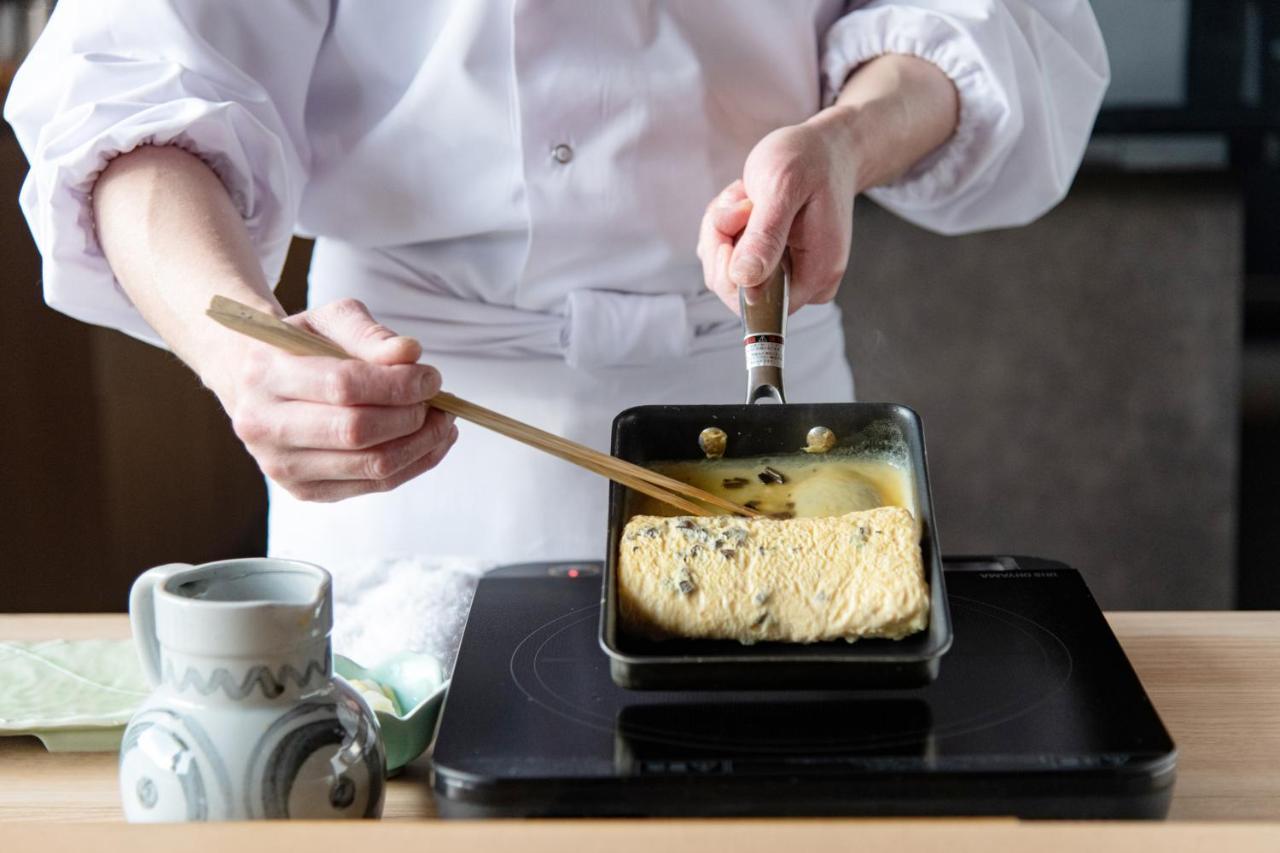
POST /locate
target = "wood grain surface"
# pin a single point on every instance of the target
(665, 836)
(1215, 678)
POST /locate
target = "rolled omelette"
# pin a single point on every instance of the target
(801, 580)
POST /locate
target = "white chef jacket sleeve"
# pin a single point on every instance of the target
(1030, 76)
(226, 81)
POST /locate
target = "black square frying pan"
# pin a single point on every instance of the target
(647, 434)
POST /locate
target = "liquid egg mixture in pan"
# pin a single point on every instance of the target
(792, 486)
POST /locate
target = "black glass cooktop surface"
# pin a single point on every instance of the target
(1036, 713)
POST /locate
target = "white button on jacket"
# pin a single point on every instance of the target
(519, 184)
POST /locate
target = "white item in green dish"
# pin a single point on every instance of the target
(379, 697)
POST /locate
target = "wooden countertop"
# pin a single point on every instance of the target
(1215, 678)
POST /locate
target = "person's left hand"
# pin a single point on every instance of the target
(796, 192)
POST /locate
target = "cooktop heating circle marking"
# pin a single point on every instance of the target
(583, 614)
(980, 720)
(528, 659)
(606, 723)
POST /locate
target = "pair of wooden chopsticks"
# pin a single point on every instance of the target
(271, 330)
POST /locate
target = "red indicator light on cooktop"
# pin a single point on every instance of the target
(574, 570)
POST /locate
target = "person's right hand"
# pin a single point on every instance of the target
(325, 428)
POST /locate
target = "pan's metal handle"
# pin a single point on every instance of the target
(764, 330)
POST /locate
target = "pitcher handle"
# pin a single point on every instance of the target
(142, 617)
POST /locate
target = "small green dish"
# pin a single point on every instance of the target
(418, 684)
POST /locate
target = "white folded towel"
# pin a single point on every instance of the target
(388, 605)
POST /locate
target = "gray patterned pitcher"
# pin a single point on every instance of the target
(246, 719)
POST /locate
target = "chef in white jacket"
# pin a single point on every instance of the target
(539, 202)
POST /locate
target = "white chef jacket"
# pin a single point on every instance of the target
(519, 185)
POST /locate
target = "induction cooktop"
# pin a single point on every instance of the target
(1036, 713)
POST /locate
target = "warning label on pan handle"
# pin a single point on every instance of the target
(763, 351)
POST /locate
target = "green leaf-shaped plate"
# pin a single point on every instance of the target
(78, 695)
(74, 695)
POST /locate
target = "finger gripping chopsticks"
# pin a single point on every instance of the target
(271, 330)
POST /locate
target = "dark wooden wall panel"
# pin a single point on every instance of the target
(52, 522)
(113, 457)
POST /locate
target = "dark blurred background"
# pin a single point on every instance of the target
(1102, 387)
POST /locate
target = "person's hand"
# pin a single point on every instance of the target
(796, 192)
(326, 428)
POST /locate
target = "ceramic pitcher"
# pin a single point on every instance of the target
(246, 719)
